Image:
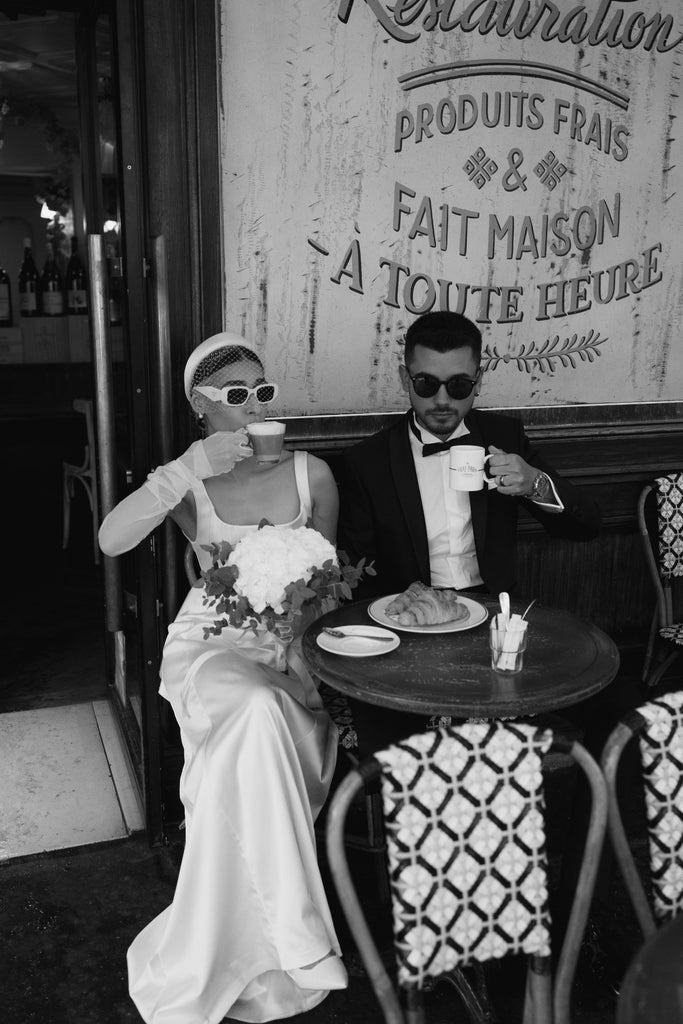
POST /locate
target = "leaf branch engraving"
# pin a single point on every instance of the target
(545, 357)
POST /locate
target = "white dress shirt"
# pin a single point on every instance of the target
(448, 518)
(452, 556)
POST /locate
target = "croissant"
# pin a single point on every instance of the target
(404, 600)
(420, 605)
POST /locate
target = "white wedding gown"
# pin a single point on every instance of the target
(259, 755)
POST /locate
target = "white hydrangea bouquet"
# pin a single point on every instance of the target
(273, 575)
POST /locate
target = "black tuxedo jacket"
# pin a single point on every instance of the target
(381, 516)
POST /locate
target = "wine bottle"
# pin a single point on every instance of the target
(28, 283)
(51, 286)
(5, 299)
(76, 293)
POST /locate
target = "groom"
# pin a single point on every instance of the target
(397, 507)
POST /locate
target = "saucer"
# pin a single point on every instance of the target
(351, 646)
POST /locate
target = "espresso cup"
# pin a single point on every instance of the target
(266, 439)
(468, 468)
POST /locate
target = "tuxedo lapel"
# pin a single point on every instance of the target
(479, 502)
(402, 469)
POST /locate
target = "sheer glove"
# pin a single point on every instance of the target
(142, 511)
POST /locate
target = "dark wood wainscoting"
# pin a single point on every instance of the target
(612, 452)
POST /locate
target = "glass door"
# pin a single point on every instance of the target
(121, 334)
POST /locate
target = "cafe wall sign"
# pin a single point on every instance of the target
(518, 161)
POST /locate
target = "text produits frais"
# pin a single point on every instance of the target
(549, 234)
(511, 109)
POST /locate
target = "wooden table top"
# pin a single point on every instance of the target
(652, 989)
(567, 660)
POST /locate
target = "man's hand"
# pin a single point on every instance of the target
(513, 475)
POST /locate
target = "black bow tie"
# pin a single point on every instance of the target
(443, 446)
(438, 446)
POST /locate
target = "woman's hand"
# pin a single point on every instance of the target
(218, 453)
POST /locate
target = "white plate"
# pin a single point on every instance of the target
(358, 646)
(477, 614)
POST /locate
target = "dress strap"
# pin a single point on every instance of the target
(204, 512)
(302, 484)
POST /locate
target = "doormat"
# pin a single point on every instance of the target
(56, 784)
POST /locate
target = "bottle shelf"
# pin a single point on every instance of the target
(45, 339)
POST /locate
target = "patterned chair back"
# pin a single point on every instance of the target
(664, 556)
(661, 752)
(464, 819)
(659, 727)
(669, 494)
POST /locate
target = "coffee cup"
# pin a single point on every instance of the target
(468, 468)
(266, 439)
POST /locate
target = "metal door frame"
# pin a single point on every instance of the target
(143, 741)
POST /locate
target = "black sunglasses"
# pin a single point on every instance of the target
(426, 386)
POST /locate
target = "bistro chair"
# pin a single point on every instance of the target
(87, 476)
(664, 554)
(465, 828)
(658, 725)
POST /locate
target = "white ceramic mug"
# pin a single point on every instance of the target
(467, 464)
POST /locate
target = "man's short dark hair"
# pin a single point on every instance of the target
(442, 332)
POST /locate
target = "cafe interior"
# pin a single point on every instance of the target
(174, 169)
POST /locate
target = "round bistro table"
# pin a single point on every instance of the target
(566, 661)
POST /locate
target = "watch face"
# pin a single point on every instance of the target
(540, 486)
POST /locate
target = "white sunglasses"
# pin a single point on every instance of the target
(238, 394)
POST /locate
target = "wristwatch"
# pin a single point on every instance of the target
(540, 488)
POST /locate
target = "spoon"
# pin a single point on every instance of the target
(350, 636)
(504, 599)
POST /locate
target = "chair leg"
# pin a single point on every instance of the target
(655, 676)
(538, 1000)
(477, 1005)
(93, 515)
(375, 821)
(650, 644)
(95, 525)
(66, 512)
(414, 1007)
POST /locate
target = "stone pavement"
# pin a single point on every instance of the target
(68, 917)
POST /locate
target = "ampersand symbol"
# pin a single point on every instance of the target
(512, 179)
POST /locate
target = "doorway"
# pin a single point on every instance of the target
(77, 629)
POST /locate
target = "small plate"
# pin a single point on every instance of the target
(358, 646)
(477, 614)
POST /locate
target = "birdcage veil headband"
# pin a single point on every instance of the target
(213, 354)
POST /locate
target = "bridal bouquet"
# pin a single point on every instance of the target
(271, 575)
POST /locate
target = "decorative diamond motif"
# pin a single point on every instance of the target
(480, 168)
(549, 170)
(464, 819)
(661, 748)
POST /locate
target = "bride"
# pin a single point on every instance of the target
(249, 934)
